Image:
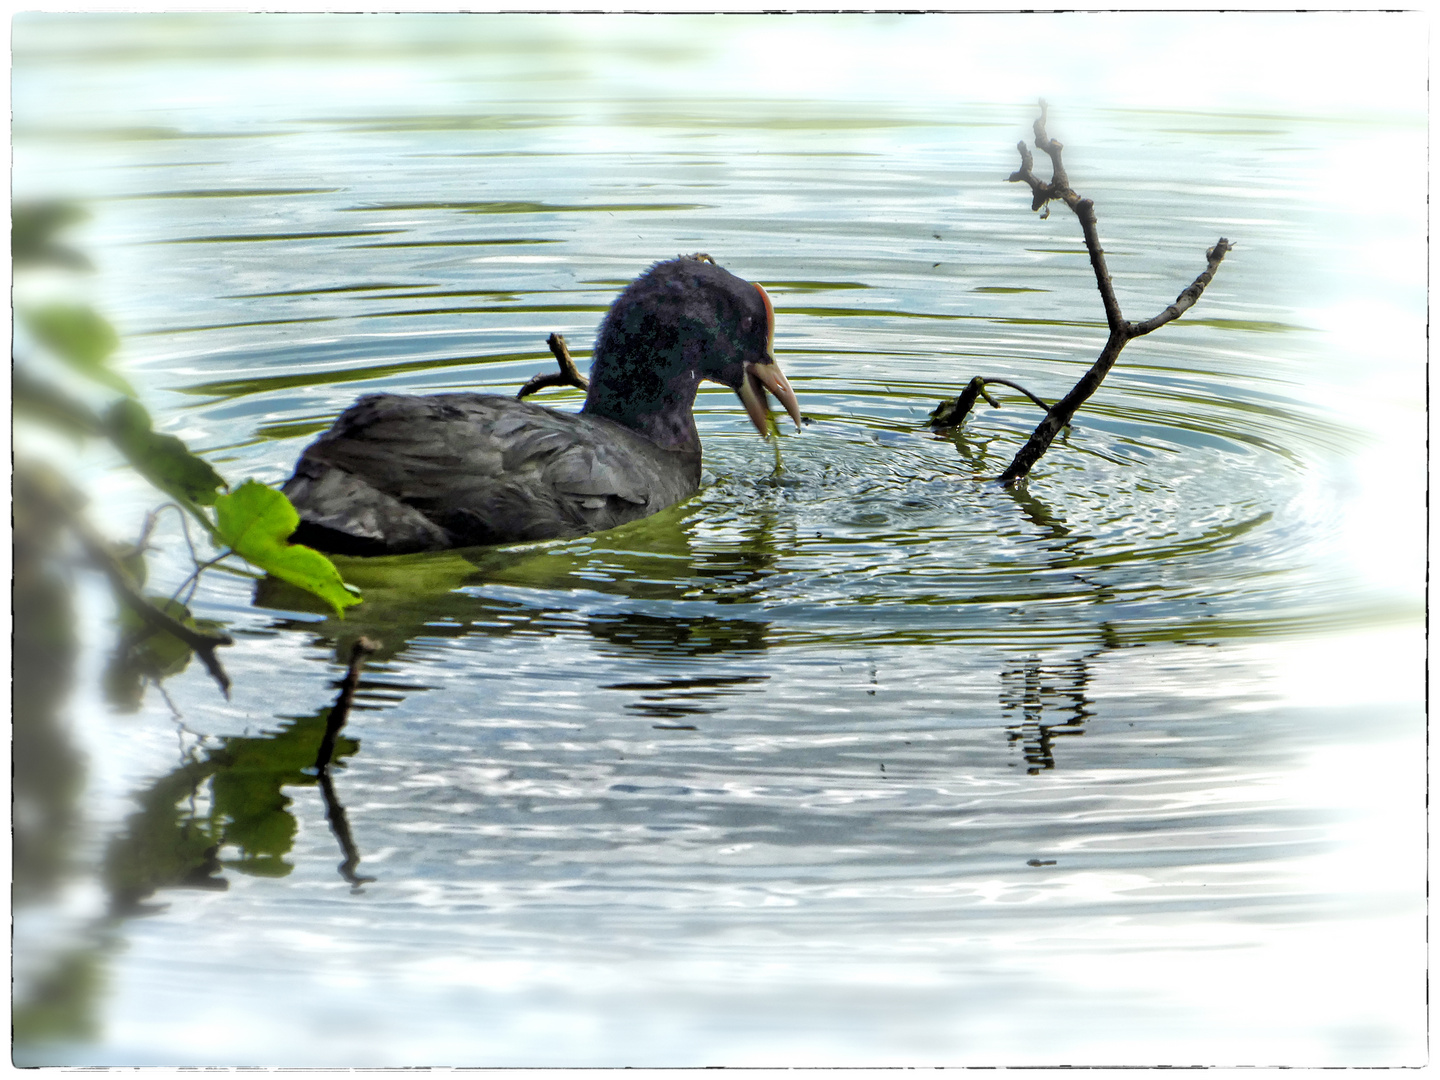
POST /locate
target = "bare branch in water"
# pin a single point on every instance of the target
(952, 413)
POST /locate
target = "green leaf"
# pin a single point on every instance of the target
(79, 337)
(162, 459)
(255, 522)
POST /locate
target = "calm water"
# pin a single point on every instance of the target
(872, 762)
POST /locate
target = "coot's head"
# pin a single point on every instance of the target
(682, 321)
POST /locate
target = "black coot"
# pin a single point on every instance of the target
(399, 474)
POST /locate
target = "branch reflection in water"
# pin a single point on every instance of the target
(339, 713)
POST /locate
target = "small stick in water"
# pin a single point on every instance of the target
(340, 711)
(334, 812)
(952, 413)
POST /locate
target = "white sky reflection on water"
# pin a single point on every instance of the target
(1347, 64)
(1337, 64)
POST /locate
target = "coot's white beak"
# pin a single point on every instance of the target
(766, 375)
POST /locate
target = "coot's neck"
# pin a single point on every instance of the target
(639, 394)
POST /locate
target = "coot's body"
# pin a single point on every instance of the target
(400, 474)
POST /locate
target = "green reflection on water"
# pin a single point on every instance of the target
(511, 207)
(813, 286)
(247, 238)
(183, 830)
(1259, 325)
(454, 243)
(235, 388)
(229, 193)
(328, 289)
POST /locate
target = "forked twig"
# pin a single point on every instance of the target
(952, 413)
(568, 375)
(1058, 416)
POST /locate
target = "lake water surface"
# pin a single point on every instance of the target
(871, 762)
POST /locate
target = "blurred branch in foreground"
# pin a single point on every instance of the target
(60, 341)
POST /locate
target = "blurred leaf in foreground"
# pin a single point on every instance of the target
(162, 459)
(79, 337)
(40, 401)
(32, 234)
(47, 769)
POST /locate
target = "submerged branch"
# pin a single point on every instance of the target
(952, 413)
(1059, 416)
